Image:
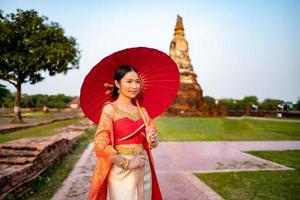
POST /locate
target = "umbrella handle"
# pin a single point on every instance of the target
(145, 122)
(142, 114)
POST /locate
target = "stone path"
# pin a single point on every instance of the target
(176, 161)
(76, 186)
(203, 157)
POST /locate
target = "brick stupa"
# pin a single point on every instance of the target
(189, 98)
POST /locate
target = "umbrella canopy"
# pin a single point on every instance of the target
(159, 81)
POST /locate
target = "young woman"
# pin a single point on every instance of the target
(122, 144)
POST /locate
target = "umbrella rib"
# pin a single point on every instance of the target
(159, 75)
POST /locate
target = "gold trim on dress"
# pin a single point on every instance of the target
(134, 116)
(130, 149)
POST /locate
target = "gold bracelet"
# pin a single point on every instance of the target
(124, 164)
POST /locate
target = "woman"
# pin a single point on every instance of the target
(122, 145)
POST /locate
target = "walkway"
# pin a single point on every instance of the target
(175, 163)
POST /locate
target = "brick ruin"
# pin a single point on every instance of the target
(23, 160)
(189, 97)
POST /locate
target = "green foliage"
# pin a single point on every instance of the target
(39, 100)
(249, 100)
(270, 104)
(30, 45)
(231, 104)
(297, 105)
(58, 101)
(3, 93)
(209, 100)
(10, 197)
(235, 104)
(6, 98)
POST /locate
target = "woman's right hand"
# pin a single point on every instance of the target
(137, 161)
(116, 159)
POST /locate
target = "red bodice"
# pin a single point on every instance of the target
(128, 131)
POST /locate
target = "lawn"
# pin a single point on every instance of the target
(242, 185)
(27, 117)
(39, 131)
(220, 129)
(39, 115)
(260, 184)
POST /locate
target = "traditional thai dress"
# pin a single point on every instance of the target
(126, 137)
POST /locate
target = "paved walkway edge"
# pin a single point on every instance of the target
(211, 194)
(283, 167)
(67, 184)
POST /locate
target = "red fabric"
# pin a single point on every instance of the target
(98, 190)
(159, 77)
(156, 194)
(119, 127)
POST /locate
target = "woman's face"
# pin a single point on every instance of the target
(129, 85)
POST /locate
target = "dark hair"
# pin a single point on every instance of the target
(119, 74)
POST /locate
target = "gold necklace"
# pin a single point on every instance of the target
(134, 116)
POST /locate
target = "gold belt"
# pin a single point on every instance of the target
(130, 149)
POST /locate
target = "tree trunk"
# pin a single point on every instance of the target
(17, 108)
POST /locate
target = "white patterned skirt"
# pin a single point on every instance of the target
(123, 184)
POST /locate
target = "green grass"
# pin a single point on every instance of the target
(51, 180)
(27, 117)
(39, 115)
(39, 131)
(220, 129)
(292, 158)
(280, 185)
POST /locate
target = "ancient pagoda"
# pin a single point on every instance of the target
(189, 97)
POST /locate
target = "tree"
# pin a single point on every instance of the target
(3, 94)
(6, 97)
(28, 46)
(40, 100)
(228, 103)
(297, 105)
(249, 100)
(209, 100)
(270, 104)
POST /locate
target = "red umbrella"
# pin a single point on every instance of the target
(159, 79)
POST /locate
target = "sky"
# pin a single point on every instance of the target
(238, 48)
